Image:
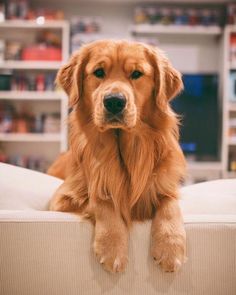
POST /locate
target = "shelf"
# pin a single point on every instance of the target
(33, 24)
(31, 65)
(173, 29)
(30, 137)
(31, 95)
(204, 166)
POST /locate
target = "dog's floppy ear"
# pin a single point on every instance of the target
(168, 81)
(70, 76)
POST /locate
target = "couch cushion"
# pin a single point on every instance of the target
(216, 197)
(24, 189)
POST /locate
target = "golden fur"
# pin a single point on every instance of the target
(122, 171)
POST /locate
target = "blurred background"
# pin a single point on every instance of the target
(37, 37)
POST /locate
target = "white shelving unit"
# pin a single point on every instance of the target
(212, 36)
(229, 107)
(46, 143)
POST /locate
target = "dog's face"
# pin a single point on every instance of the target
(119, 82)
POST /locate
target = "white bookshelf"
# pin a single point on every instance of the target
(56, 142)
(229, 107)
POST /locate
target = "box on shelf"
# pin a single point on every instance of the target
(41, 53)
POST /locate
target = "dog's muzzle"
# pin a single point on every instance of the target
(114, 103)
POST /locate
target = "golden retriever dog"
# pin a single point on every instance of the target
(124, 163)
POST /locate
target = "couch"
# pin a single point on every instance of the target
(47, 253)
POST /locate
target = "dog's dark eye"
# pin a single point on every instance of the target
(99, 73)
(135, 75)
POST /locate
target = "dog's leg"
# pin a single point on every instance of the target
(71, 196)
(111, 237)
(168, 245)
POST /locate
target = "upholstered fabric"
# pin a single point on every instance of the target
(49, 253)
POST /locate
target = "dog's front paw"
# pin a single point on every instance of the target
(168, 250)
(111, 252)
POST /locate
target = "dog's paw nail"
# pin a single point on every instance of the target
(177, 264)
(102, 260)
(116, 265)
(156, 261)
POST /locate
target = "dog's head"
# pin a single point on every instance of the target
(119, 83)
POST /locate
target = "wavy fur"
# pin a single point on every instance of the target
(130, 170)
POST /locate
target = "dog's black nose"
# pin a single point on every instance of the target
(114, 103)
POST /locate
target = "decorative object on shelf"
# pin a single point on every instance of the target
(52, 123)
(15, 9)
(231, 14)
(179, 16)
(5, 80)
(84, 30)
(85, 25)
(13, 50)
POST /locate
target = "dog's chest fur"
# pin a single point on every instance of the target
(121, 167)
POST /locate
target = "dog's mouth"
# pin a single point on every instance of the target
(123, 120)
(114, 119)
